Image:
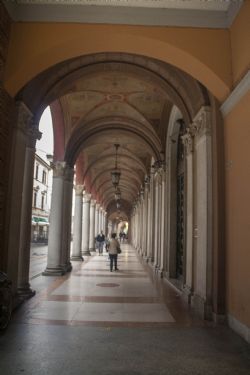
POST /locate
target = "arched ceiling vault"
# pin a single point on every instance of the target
(113, 98)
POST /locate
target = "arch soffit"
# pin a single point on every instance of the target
(87, 134)
(185, 58)
(170, 78)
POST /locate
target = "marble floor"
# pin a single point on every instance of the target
(93, 321)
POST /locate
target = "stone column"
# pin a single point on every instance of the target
(97, 208)
(67, 218)
(163, 222)
(156, 219)
(100, 220)
(148, 219)
(145, 222)
(151, 218)
(109, 228)
(24, 289)
(92, 226)
(201, 128)
(17, 165)
(54, 265)
(85, 224)
(187, 139)
(105, 223)
(77, 228)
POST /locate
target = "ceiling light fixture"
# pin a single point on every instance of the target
(116, 174)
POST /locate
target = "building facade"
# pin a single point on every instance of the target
(42, 187)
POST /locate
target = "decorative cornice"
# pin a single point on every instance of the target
(239, 91)
(212, 13)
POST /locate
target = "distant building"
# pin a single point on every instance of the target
(42, 186)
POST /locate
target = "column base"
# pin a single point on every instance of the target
(25, 292)
(93, 250)
(69, 267)
(86, 252)
(76, 258)
(202, 308)
(187, 294)
(58, 271)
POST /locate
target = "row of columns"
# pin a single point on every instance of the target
(89, 220)
(148, 219)
(153, 221)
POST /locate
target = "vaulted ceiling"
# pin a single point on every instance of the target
(107, 99)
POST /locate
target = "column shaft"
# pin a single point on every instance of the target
(77, 228)
(92, 226)
(85, 224)
(54, 265)
(26, 211)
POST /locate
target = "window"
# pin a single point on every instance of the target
(44, 179)
(42, 203)
(37, 171)
(35, 199)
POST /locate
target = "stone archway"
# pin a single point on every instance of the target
(142, 132)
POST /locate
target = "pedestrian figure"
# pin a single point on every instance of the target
(114, 249)
(100, 242)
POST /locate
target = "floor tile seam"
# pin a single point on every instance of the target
(101, 299)
(105, 323)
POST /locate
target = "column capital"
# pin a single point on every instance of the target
(86, 197)
(69, 173)
(59, 168)
(201, 123)
(187, 140)
(79, 190)
(24, 116)
(92, 202)
(25, 123)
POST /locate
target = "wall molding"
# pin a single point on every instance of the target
(239, 92)
(150, 12)
(238, 327)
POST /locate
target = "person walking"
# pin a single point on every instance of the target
(100, 242)
(114, 250)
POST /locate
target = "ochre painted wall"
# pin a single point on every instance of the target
(240, 43)
(237, 146)
(203, 53)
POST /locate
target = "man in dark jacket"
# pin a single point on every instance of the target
(100, 242)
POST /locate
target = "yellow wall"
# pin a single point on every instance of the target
(203, 53)
(240, 43)
(237, 147)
